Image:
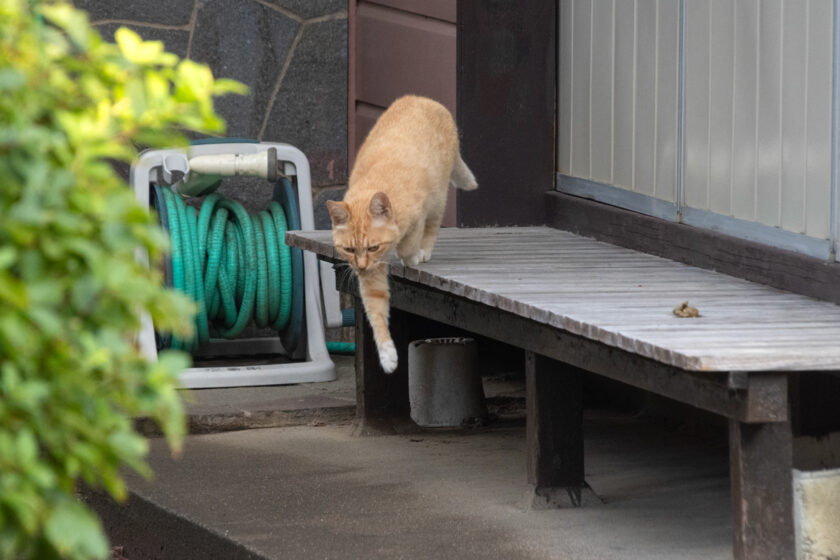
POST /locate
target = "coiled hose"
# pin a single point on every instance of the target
(235, 266)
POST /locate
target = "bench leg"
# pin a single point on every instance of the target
(761, 462)
(554, 433)
(381, 399)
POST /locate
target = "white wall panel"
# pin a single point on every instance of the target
(697, 124)
(720, 43)
(793, 68)
(769, 125)
(744, 105)
(768, 111)
(601, 121)
(618, 93)
(757, 119)
(818, 123)
(644, 180)
(623, 94)
(667, 63)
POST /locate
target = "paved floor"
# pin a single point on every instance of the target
(315, 491)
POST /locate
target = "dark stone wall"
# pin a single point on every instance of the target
(291, 53)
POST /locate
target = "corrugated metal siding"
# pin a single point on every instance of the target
(618, 93)
(758, 104)
(758, 111)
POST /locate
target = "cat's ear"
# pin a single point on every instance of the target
(380, 206)
(339, 213)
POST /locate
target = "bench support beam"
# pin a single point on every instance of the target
(554, 433)
(709, 391)
(761, 463)
(381, 400)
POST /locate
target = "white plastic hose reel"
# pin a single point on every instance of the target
(193, 169)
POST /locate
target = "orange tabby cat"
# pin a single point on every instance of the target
(395, 200)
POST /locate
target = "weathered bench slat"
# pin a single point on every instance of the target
(627, 300)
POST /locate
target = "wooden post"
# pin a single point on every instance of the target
(554, 433)
(381, 399)
(506, 75)
(760, 464)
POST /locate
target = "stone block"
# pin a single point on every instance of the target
(251, 47)
(307, 9)
(164, 12)
(252, 192)
(310, 110)
(320, 212)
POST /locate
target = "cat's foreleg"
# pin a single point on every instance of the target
(376, 297)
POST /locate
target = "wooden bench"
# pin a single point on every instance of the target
(575, 304)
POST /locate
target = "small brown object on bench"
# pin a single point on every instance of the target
(686, 311)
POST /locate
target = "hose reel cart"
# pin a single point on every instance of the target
(236, 266)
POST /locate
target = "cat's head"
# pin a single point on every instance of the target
(363, 230)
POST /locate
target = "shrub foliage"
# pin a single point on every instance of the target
(71, 291)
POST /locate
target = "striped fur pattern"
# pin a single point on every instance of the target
(395, 200)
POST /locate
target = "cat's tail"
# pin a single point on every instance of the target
(461, 177)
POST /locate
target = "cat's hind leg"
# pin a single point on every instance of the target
(376, 297)
(431, 227)
(408, 248)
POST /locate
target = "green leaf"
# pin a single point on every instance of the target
(223, 86)
(12, 290)
(75, 532)
(8, 255)
(11, 79)
(25, 506)
(127, 40)
(26, 447)
(135, 49)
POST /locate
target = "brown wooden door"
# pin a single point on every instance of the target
(399, 47)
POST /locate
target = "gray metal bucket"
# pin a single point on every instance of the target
(444, 385)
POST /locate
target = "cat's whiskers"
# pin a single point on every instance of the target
(344, 276)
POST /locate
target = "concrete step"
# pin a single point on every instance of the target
(306, 487)
(319, 492)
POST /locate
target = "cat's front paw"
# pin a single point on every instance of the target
(388, 357)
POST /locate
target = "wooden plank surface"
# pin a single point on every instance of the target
(699, 247)
(625, 299)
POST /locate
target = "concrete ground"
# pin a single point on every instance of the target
(313, 490)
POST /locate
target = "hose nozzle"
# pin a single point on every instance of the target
(260, 164)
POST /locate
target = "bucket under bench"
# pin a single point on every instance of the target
(575, 304)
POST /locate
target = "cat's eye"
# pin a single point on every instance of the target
(350, 250)
(373, 248)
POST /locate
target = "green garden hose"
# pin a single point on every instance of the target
(337, 347)
(235, 266)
